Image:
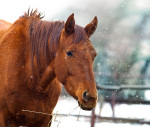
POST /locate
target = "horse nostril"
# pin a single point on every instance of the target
(85, 96)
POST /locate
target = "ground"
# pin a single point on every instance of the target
(70, 106)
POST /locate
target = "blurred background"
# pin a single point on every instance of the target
(122, 71)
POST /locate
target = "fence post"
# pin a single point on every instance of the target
(93, 118)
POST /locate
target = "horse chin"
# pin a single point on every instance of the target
(84, 107)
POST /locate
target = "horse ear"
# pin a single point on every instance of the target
(91, 27)
(69, 25)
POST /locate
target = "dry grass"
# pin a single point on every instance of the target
(54, 116)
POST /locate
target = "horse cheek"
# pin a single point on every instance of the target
(60, 69)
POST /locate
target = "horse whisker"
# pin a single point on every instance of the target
(73, 110)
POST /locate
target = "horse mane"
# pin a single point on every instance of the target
(33, 14)
(44, 38)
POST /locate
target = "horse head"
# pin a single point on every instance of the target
(73, 63)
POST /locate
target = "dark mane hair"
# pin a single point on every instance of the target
(33, 14)
(44, 38)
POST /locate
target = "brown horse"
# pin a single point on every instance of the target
(3, 27)
(35, 58)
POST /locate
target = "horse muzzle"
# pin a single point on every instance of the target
(87, 102)
(88, 108)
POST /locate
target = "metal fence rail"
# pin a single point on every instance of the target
(114, 101)
(119, 88)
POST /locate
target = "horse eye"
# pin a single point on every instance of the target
(69, 53)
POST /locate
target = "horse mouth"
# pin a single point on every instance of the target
(84, 107)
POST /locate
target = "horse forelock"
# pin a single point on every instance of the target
(79, 34)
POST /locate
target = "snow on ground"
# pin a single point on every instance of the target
(67, 105)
